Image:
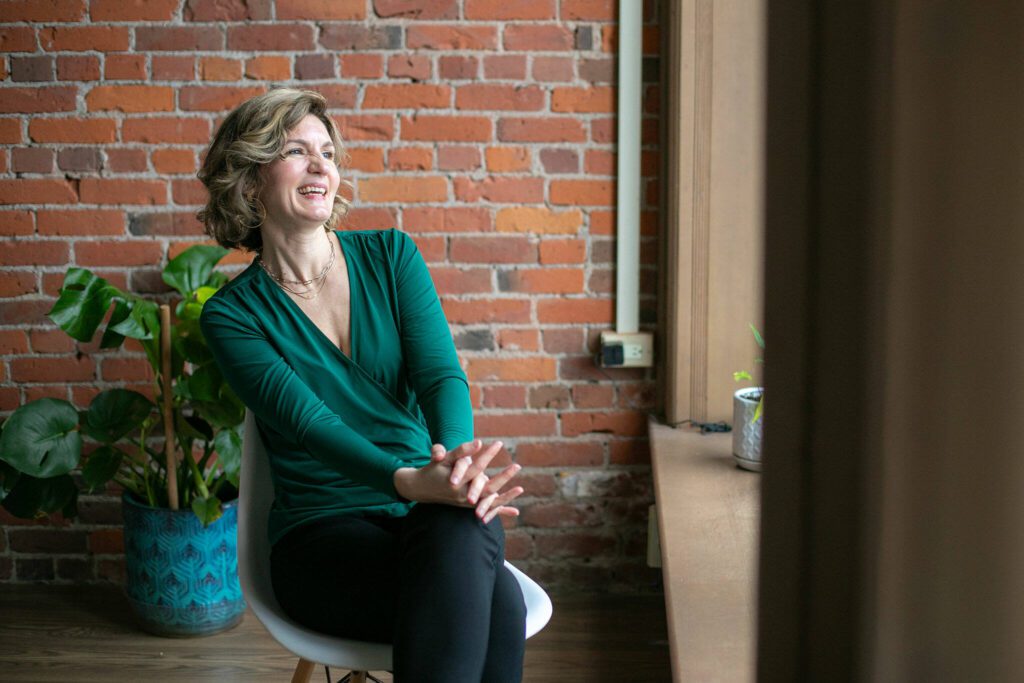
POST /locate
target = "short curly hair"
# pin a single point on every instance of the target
(253, 135)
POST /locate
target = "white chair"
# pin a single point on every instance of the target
(256, 493)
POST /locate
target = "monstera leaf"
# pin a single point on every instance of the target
(191, 269)
(41, 439)
(115, 413)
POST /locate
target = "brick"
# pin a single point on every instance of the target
(16, 223)
(582, 192)
(13, 341)
(126, 161)
(372, 218)
(73, 569)
(518, 340)
(133, 10)
(600, 99)
(629, 452)
(188, 192)
(417, 9)
(271, 37)
(577, 544)
(125, 68)
(44, 10)
(74, 68)
(410, 159)
(464, 281)
(46, 541)
(174, 160)
(505, 67)
(537, 37)
(179, 224)
(510, 9)
(35, 68)
(84, 39)
(549, 397)
(563, 251)
(602, 162)
(593, 396)
(499, 97)
(554, 515)
(56, 370)
(366, 127)
(17, 39)
(621, 423)
(478, 311)
(415, 67)
(321, 10)
(512, 425)
(458, 158)
(500, 189)
(25, 312)
(51, 341)
(16, 283)
(441, 128)
(32, 160)
(362, 66)
(173, 68)
(511, 369)
(540, 129)
(507, 159)
(215, 98)
(406, 96)
(36, 191)
(492, 250)
(118, 191)
(178, 38)
(106, 541)
(574, 311)
(268, 68)
(80, 222)
(560, 161)
(592, 10)
(603, 130)
(220, 69)
(506, 397)
(458, 67)
(33, 253)
(36, 100)
(226, 10)
(130, 98)
(542, 281)
(314, 67)
(451, 37)
(339, 96)
(166, 130)
(552, 69)
(126, 370)
(637, 396)
(72, 129)
(403, 189)
(359, 36)
(117, 253)
(10, 131)
(446, 219)
(370, 160)
(80, 159)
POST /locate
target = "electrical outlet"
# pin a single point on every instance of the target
(633, 350)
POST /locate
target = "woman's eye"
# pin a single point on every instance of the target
(292, 151)
(328, 155)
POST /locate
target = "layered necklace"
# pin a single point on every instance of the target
(313, 285)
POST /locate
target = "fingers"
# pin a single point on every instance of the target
(459, 470)
(493, 503)
(438, 453)
(497, 482)
(480, 463)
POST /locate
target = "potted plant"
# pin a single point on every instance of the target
(180, 518)
(748, 417)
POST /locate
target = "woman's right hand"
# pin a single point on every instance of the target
(457, 478)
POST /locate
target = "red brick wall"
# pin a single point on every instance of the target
(483, 128)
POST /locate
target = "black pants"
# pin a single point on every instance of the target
(432, 583)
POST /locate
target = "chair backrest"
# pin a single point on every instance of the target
(255, 496)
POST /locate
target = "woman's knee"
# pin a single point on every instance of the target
(444, 524)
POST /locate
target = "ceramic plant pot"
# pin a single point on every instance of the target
(181, 578)
(747, 434)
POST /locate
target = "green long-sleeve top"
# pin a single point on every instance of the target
(337, 427)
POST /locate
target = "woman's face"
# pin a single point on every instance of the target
(299, 188)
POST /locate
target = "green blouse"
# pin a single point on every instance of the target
(337, 427)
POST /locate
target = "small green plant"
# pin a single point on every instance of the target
(743, 375)
(41, 442)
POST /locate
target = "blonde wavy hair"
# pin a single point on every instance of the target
(251, 136)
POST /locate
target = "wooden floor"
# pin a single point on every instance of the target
(85, 633)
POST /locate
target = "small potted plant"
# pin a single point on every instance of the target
(748, 417)
(180, 517)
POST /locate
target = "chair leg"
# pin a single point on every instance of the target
(303, 671)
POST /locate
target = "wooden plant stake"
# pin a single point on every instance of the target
(168, 409)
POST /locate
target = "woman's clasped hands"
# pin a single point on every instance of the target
(458, 477)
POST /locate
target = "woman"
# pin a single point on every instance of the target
(384, 525)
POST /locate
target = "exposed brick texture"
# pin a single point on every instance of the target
(483, 128)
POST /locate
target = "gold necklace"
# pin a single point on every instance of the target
(320, 279)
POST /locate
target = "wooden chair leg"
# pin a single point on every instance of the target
(358, 677)
(303, 671)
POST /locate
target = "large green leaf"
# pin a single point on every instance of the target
(143, 321)
(112, 339)
(228, 445)
(40, 438)
(208, 510)
(191, 269)
(8, 478)
(101, 466)
(33, 497)
(83, 301)
(115, 413)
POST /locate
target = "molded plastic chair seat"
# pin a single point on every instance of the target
(256, 493)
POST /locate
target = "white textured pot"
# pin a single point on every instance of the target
(746, 434)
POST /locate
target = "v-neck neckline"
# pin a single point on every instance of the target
(350, 357)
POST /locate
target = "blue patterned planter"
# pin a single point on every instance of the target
(181, 579)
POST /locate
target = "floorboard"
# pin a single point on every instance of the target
(85, 633)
